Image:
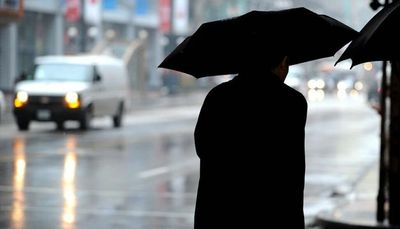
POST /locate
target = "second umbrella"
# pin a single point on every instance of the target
(378, 39)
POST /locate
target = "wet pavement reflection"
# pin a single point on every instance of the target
(19, 169)
(104, 178)
(68, 184)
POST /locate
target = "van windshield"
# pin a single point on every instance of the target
(63, 72)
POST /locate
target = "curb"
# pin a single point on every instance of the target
(326, 222)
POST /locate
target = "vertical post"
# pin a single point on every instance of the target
(394, 150)
(82, 28)
(58, 28)
(381, 198)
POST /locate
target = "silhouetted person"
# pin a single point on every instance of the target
(250, 140)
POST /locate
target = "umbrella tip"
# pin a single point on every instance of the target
(341, 58)
(161, 65)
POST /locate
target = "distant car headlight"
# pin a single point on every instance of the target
(358, 86)
(21, 99)
(316, 84)
(72, 100)
(312, 84)
(320, 84)
(341, 86)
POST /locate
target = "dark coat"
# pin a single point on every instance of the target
(250, 140)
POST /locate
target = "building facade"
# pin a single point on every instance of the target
(29, 28)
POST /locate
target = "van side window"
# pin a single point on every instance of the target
(63, 72)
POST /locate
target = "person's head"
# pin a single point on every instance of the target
(276, 64)
(282, 68)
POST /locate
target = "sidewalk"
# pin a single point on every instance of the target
(360, 209)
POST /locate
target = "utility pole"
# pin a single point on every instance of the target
(382, 196)
(389, 177)
(394, 146)
(382, 189)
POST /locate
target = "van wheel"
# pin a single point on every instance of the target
(84, 121)
(117, 118)
(23, 124)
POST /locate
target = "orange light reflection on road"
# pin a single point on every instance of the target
(68, 185)
(18, 205)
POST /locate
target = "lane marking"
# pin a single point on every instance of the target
(154, 172)
(189, 163)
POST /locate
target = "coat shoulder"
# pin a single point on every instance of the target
(298, 97)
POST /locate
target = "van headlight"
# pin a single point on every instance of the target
(72, 100)
(21, 99)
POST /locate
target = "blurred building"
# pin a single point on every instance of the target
(11, 11)
(142, 32)
(32, 28)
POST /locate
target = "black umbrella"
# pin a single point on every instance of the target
(377, 40)
(226, 46)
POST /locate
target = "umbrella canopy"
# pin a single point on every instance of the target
(378, 39)
(226, 46)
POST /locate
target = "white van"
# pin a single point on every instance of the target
(81, 87)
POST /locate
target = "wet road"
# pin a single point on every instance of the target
(144, 175)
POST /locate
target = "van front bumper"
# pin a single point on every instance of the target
(47, 108)
(44, 113)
